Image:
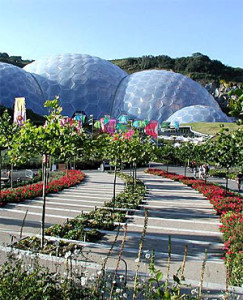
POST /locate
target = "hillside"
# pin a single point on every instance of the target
(211, 128)
(14, 60)
(198, 67)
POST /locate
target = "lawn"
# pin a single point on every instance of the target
(211, 128)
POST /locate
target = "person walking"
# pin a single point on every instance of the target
(200, 172)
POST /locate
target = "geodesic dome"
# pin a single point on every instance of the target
(198, 113)
(157, 95)
(98, 87)
(15, 82)
(82, 82)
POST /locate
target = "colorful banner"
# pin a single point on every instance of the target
(19, 111)
(111, 126)
(123, 119)
(152, 129)
(102, 125)
(176, 124)
(97, 125)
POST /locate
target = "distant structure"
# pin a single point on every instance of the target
(98, 87)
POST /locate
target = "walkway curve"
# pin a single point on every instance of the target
(96, 188)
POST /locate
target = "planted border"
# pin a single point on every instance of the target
(229, 206)
(30, 191)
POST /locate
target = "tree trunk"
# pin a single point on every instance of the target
(135, 175)
(227, 180)
(11, 176)
(185, 170)
(114, 185)
(67, 169)
(44, 203)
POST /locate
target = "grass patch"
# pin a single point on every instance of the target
(211, 128)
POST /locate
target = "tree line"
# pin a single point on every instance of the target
(197, 66)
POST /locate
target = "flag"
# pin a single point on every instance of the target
(111, 126)
(106, 119)
(123, 119)
(152, 129)
(97, 125)
(176, 124)
(19, 111)
(102, 125)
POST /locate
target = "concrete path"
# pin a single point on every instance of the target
(181, 212)
(232, 184)
(92, 192)
(174, 210)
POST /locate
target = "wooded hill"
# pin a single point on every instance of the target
(14, 60)
(198, 67)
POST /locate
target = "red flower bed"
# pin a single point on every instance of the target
(230, 207)
(34, 190)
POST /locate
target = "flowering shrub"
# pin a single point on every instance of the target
(229, 207)
(35, 190)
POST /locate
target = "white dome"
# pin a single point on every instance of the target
(15, 82)
(82, 82)
(156, 95)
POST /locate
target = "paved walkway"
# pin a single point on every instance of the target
(173, 208)
(232, 184)
(92, 192)
(181, 212)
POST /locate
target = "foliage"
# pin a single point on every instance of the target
(232, 174)
(236, 103)
(227, 150)
(7, 131)
(34, 282)
(197, 66)
(14, 60)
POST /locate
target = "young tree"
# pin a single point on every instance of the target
(7, 133)
(44, 140)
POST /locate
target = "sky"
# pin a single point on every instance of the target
(113, 29)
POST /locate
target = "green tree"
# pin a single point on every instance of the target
(7, 133)
(44, 140)
(236, 103)
(227, 150)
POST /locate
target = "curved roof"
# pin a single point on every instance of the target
(98, 87)
(15, 82)
(83, 82)
(156, 95)
(198, 113)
